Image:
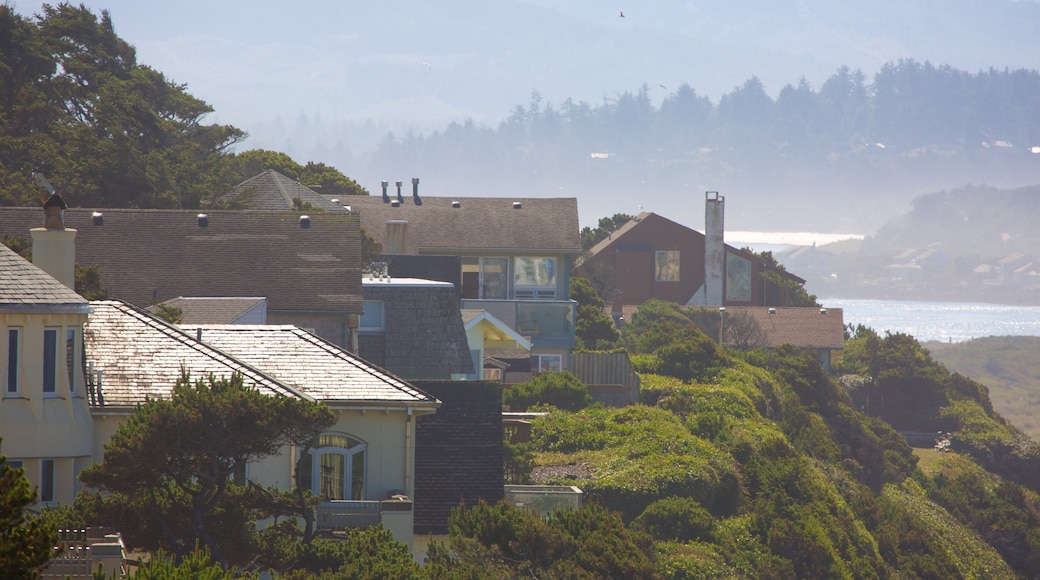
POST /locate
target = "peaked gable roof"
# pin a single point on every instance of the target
(139, 357)
(539, 225)
(25, 287)
(309, 364)
(270, 190)
(153, 255)
(493, 326)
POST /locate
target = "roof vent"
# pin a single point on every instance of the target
(517, 205)
(456, 204)
(823, 311)
(305, 221)
(335, 200)
(386, 196)
(98, 218)
(400, 198)
(772, 310)
(395, 203)
(346, 207)
(415, 191)
(203, 220)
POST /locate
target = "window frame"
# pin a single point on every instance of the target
(72, 355)
(47, 481)
(50, 362)
(349, 456)
(13, 368)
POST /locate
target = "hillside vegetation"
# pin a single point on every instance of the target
(758, 464)
(1007, 365)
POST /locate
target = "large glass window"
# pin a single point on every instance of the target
(534, 277)
(335, 468)
(667, 265)
(50, 360)
(485, 278)
(738, 278)
(547, 363)
(13, 356)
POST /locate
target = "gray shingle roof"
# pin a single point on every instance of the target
(23, 286)
(479, 223)
(313, 366)
(271, 190)
(146, 255)
(141, 357)
(206, 310)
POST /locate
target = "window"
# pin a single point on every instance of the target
(372, 317)
(50, 360)
(534, 277)
(738, 278)
(13, 356)
(47, 481)
(335, 468)
(485, 278)
(666, 265)
(70, 357)
(547, 363)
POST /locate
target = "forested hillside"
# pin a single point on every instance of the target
(842, 156)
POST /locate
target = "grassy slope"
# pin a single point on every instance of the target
(1008, 366)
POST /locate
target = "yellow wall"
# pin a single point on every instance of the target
(55, 426)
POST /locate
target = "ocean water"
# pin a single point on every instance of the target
(942, 321)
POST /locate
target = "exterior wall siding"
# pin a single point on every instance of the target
(458, 451)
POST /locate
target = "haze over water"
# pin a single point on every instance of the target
(940, 321)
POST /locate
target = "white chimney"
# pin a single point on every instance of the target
(54, 252)
(714, 248)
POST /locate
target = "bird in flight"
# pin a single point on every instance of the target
(621, 14)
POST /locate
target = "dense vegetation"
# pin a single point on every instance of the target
(107, 131)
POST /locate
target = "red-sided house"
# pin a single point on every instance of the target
(654, 257)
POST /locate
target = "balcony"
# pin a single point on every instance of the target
(548, 323)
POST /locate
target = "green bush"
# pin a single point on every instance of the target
(562, 390)
(676, 518)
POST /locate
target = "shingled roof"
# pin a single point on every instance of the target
(223, 310)
(478, 223)
(270, 190)
(153, 255)
(25, 287)
(309, 364)
(141, 357)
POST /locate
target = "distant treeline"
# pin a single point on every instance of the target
(910, 122)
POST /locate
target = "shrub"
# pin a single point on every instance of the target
(676, 518)
(561, 390)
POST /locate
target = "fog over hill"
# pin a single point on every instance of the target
(327, 81)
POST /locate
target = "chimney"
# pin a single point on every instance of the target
(386, 196)
(714, 248)
(54, 252)
(415, 191)
(400, 198)
(396, 236)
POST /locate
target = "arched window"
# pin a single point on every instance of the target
(334, 468)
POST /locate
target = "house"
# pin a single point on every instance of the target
(485, 335)
(45, 419)
(514, 257)
(60, 408)
(308, 267)
(414, 329)
(654, 257)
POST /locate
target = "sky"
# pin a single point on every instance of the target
(326, 80)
